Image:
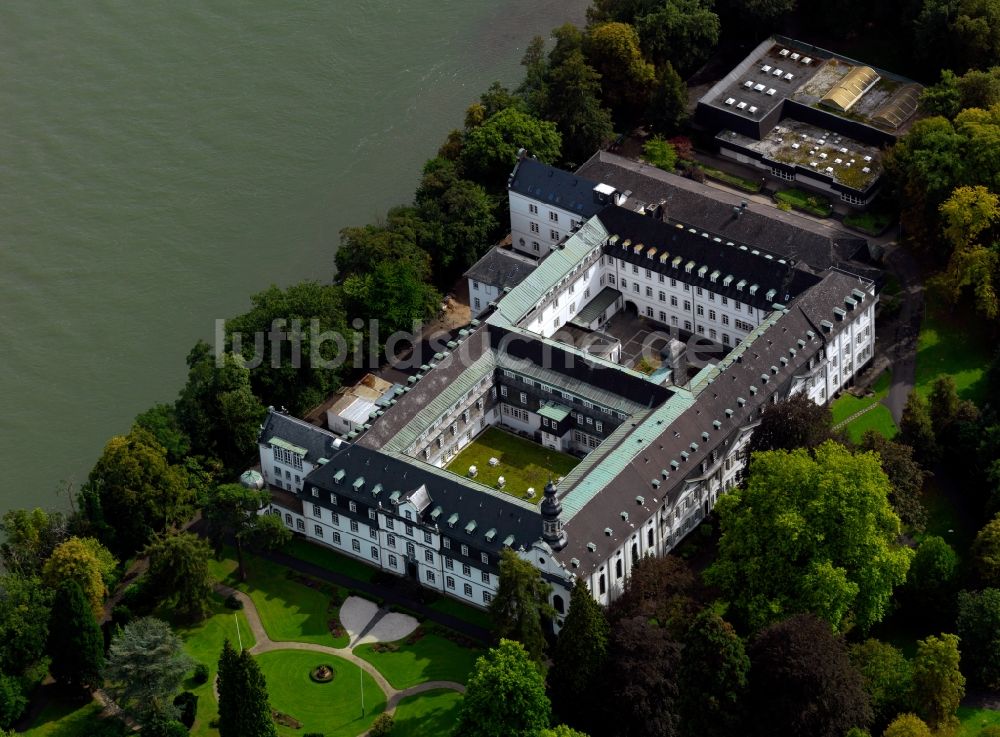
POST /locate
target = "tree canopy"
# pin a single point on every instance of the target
(938, 683)
(798, 422)
(505, 696)
(490, 150)
(75, 644)
(244, 706)
(887, 678)
(231, 510)
(578, 658)
(521, 603)
(85, 561)
(802, 681)
(713, 678)
(979, 630)
(986, 552)
(810, 534)
(178, 572)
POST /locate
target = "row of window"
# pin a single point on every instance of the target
(623, 283)
(281, 455)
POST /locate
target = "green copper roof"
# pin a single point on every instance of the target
(297, 449)
(597, 306)
(525, 296)
(554, 411)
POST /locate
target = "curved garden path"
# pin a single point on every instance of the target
(266, 644)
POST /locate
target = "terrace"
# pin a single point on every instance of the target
(846, 161)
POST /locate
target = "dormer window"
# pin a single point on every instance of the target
(689, 266)
(727, 281)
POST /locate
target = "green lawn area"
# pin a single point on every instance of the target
(430, 713)
(67, 719)
(973, 721)
(805, 201)
(447, 605)
(951, 345)
(203, 642)
(329, 559)
(334, 708)
(431, 658)
(523, 463)
(289, 610)
(872, 222)
(878, 419)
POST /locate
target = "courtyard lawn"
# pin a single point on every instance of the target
(950, 345)
(523, 463)
(878, 419)
(973, 721)
(429, 713)
(332, 709)
(431, 658)
(69, 719)
(290, 611)
(203, 642)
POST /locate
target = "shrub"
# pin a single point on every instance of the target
(382, 726)
(233, 602)
(187, 702)
(12, 701)
(201, 673)
(660, 153)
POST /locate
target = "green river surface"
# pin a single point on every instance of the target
(162, 161)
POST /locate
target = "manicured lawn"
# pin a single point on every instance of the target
(973, 721)
(747, 185)
(878, 419)
(334, 708)
(872, 222)
(329, 559)
(951, 345)
(429, 713)
(800, 200)
(523, 463)
(431, 658)
(847, 404)
(289, 610)
(478, 617)
(67, 719)
(204, 643)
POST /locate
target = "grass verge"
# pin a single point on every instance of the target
(973, 720)
(948, 344)
(447, 605)
(804, 201)
(430, 658)
(68, 719)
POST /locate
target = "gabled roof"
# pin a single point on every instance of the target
(443, 500)
(709, 208)
(554, 187)
(501, 268)
(287, 430)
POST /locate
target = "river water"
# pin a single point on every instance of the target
(162, 160)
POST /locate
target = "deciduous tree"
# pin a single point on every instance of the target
(161, 422)
(145, 667)
(578, 658)
(178, 572)
(75, 644)
(803, 682)
(797, 422)
(979, 630)
(490, 150)
(907, 725)
(938, 684)
(521, 603)
(986, 552)
(574, 105)
(810, 533)
(663, 589)
(505, 696)
(887, 679)
(679, 32)
(917, 430)
(30, 536)
(931, 576)
(713, 678)
(12, 701)
(626, 77)
(231, 511)
(660, 153)
(24, 617)
(905, 475)
(668, 102)
(84, 561)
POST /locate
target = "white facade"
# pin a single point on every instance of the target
(537, 227)
(481, 295)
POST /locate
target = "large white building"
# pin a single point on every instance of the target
(657, 450)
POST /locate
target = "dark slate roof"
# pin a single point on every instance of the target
(505, 517)
(766, 273)
(604, 510)
(501, 268)
(819, 303)
(784, 233)
(556, 187)
(318, 443)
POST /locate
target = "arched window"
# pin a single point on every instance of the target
(649, 537)
(635, 552)
(558, 604)
(618, 568)
(602, 586)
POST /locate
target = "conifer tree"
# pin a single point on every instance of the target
(712, 678)
(579, 656)
(522, 601)
(244, 706)
(75, 643)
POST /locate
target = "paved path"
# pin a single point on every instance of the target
(266, 644)
(856, 415)
(901, 348)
